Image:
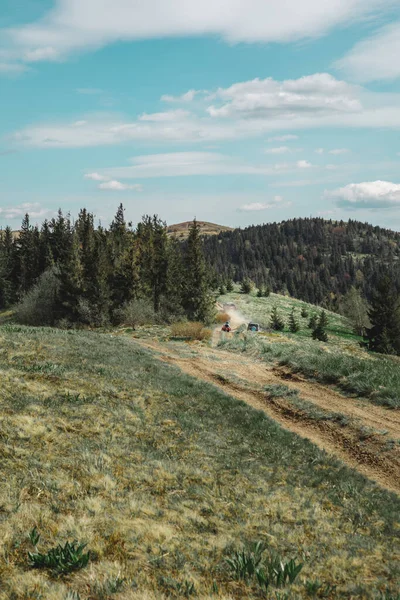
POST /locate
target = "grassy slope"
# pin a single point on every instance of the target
(341, 361)
(162, 476)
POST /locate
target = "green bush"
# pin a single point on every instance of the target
(61, 560)
(137, 312)
(38, 306)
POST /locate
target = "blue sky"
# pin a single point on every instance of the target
(234, 111)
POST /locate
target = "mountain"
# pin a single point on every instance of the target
(312, 259)
(181, 230)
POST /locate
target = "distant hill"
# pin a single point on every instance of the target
(181, 230)
(312, 259)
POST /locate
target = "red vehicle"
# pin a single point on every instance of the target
(226, 327)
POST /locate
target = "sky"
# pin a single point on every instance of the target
(236, 112)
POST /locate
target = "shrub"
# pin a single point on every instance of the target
(137, 312)
(319, 331)
(190, 331)
(304, 312)
(222, 317)
(222, 290)
(229, 286)
(38, 306)
(293, 323)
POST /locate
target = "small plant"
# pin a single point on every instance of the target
(260, 293)
(34, 536)
(304, 312)
(320, 590)
(71, 595)
(186, 589)
(281, 573)
(277, 323)
(293, 323)
(229, 286)
(61, 559)
(222, 290)
(245, 563)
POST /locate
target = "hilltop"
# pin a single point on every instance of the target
(181, 230)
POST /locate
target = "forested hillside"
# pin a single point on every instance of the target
(312, 259)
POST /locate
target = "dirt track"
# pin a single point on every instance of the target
(364, 440)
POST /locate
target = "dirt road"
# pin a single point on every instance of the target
(366, 438)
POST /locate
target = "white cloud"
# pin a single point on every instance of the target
(319, 151)
(370, 194)
(35, 211)
(74, 25)
(375, 58)
(41, 54)
(182, 164)
(95, 177)
(279, 150)
(10, 68)
(246, 112)
(339, 151)
(277, 201)
(304, 164)
(261, 98)
(117, 186)
(187, 97)
(283, 138)
(162, 117)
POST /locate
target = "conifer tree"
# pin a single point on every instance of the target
(312, 323)
(304, 312)
(229, 286)
(319, 331)
(246, 286)
(276, 322)
(196, 297)
(293, 323)
(384, 333)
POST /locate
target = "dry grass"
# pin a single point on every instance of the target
(163, 476)
(190, 331)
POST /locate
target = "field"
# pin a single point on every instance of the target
(165, 477)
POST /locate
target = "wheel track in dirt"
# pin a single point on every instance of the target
(359, 442)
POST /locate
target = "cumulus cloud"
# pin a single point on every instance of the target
(35, 210)
(277, 201)
(261, 98)
(367, 195)
(374, 58)
(117, 186)
(73, 25)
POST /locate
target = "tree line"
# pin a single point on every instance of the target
(77, 272)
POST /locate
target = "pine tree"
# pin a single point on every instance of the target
(260, 293)
(293, 323)
(229, 286)
(384, 333)
(222, 290)
(312, 323)
(319, 331)
(304, 312)
(197, 300)
(246, 286)
(276, 322)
